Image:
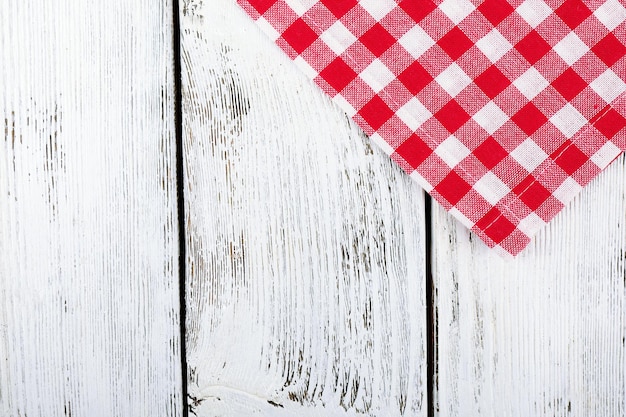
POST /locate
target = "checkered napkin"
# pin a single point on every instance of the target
(501, 109)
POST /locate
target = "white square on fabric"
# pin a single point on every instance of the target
(568, 120)
(377, 75)
(456, 10)
(461, 217)
(534, 12)
(529, 155)
(491, 188)
(608, 86)
(612, 13)
(531, 83)
(452, 151)
(571, 48)
(302, 6)
(416, 41)
(530, 224)
(414, 114)
(378, 8)
(453, 79)
(607, 153)
(494, 45)
(345, 105)
(422, 181)
(567, 191)
(268, 29)
(382, 143)
(338, 37)
(305, 67)
(490, 117)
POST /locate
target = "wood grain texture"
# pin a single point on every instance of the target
(541, 335)
(305, 244)
(89, 322)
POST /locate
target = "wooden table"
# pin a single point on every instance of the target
(318, 279)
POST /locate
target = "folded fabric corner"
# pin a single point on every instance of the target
(501, 110)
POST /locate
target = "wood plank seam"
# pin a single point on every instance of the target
(180, 197)
(431, 314)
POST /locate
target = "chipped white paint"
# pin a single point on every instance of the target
(541, 335)
(305, 244)
(88, 249)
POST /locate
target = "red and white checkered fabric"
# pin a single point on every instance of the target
(501, 109)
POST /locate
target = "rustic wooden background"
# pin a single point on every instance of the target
(320, 281)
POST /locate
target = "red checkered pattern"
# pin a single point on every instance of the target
(501, 109)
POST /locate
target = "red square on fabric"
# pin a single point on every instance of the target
(569, 157)
(453, 188)
(262, 6)
(455, 43)
(500, 229)
(610, 123)
(569, 84)
(489, 218)
(529, 119)
(490, 153)
(414, 150)
(492, 82)
(299, 35)
(417, 9)
(376, 112)
(533, 47)
(338, 74)
(495, 10)
(573, 12)
(531, 192)
(339, 7)
(495, 225)
(415, 77)
(452, 116)
(609, 49)
(377, 39)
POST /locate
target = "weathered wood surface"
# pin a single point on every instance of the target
(89, 322)
(305, 244)
(541, 335)
(306, 250)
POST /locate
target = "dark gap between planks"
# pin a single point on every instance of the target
(431, 313)
(180, 196)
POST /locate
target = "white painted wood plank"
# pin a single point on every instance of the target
(541, 335)
(88, 230)
(306, 244)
